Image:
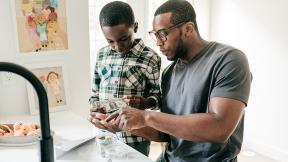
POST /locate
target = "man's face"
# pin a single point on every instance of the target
(173, 47)
(119, 37)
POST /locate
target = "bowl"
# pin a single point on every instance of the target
(13, 140)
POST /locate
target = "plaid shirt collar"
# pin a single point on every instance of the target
(138, 47)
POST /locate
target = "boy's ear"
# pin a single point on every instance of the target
(135, 27)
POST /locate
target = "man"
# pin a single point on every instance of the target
(204, 93)
(125, 69)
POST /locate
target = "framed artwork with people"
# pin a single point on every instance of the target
(41, 25)
(53, 78)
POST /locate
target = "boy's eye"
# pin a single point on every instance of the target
(124, 39)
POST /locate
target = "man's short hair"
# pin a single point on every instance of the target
(182, 11)
(116, 13)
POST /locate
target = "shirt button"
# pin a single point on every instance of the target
(115, 95)
(116, 81)
(119, 68)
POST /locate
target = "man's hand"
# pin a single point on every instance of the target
(139, 102)
(127, 119)
(111, 126)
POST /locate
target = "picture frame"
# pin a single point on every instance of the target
(41, 26)
(54, 79)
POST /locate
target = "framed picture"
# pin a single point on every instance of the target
(41, 25)
(54, 79)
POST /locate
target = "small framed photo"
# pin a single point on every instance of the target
(54, 79)
(40, 26)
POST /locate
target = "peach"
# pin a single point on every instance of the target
(25, 128)
(18, 133)
(17, 126)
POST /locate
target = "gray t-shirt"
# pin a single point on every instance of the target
(217, 71)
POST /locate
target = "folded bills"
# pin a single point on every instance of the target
(109, 106)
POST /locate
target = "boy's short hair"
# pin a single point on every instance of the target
(116, 13)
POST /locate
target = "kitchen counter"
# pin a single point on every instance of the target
(67, 127)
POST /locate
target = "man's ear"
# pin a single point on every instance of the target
(189, 27)
(135, 27)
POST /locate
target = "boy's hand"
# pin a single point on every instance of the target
(96, 107)
(97, 118)
(97, 113)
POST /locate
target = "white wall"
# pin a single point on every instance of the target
(139, 8)
(13, 98)
(202, 9)
(259, 28)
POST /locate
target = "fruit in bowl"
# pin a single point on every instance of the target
(19, 133)
(19, 129)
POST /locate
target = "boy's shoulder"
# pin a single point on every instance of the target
(104, 50)
(149, 52)
(102, 53)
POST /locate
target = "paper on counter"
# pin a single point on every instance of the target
(66, 146)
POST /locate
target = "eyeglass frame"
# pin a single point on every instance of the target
(156, 34)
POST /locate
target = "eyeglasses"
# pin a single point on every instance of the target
(162, 33)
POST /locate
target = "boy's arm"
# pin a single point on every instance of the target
(152, 96)
(153, 87)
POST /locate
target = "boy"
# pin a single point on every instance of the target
(125, 68)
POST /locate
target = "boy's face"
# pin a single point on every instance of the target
(119, 37)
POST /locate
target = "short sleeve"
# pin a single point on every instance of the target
(232, 77)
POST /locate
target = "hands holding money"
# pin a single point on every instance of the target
(125, 119)
(97, 117)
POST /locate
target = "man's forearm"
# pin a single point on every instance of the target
(148, 133)
(198, 127)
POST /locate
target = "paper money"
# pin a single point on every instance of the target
(111, 105)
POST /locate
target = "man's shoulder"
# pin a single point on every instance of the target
(168, 68)
(224, 51)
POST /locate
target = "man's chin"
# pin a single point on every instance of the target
(170, 58)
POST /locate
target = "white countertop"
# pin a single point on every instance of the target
(66, 126)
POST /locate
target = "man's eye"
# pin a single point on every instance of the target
(162, 33)
(110, 42)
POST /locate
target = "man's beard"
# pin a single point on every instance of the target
(180, 50)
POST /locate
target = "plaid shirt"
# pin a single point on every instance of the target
(135, 73)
